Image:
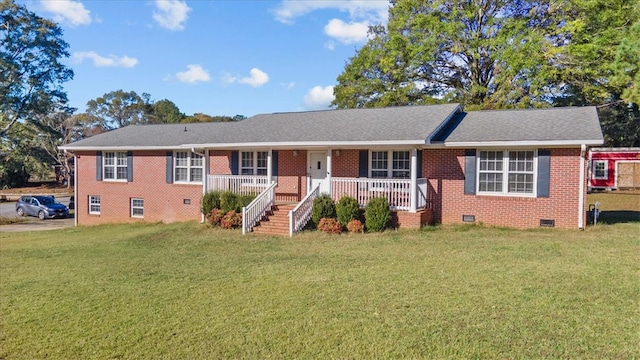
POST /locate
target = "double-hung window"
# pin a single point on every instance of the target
(188, 167)
(115, 165)
(94, 204)
(506, 172)
(390, 164)
(137, 208)
(600, 169)
(253, 163)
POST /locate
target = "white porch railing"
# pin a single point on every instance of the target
(397, 191)
(239, 184)
(300, 215)
(253, 212)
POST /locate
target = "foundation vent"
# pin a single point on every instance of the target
(547, 222)
(468, 218)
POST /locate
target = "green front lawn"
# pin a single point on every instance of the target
(185, 291)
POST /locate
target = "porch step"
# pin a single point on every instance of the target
(276, 221)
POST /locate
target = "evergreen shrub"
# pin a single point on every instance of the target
(377, 214)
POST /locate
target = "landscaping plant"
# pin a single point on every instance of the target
(210, 201)
(323, 207)
(355, 226)
(347, 209)
(330, 226)
(231, 220)
(377, 214)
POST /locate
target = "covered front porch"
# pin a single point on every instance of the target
(298, 176)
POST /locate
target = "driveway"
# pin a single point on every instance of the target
(8, 209)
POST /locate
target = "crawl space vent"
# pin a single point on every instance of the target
(468, 218)
(547, 222)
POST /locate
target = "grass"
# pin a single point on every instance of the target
(188, 291)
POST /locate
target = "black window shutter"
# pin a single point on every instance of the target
(129, 166)
(544, 172)
(274, 163)
(363, 163)
(234, 163)
(169, 173)
(419, 156)
(470, 171)
(99, 165)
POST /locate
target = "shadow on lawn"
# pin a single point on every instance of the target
(619, 216)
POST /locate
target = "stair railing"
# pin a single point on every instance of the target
(253, 212)
(300, 215)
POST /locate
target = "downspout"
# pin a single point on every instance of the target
(583, 150)
(205, 160)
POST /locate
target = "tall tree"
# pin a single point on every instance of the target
(31, 71)
(165, 112)
(119, 108)
(482, 53)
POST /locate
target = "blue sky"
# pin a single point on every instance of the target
(215, 57)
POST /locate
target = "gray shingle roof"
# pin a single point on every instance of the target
(408, 125)
(570, 124)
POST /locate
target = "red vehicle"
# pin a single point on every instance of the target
(614, 168)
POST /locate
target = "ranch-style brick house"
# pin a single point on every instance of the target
(436, 163)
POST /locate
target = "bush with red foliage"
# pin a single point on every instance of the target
(216, 217)
(355, 226)
(330, 226)
(231, 220)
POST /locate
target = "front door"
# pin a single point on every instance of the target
(318, 170)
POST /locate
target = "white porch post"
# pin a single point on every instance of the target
(269, 166)
(328, 178)
(413, 199)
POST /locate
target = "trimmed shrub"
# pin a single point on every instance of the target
(244, 200)
(216, 217)
(347, 209)
(377, 214)
(330, 226)
(231, 220)
(228, 201)
(210, 201)
(355, 226)
(323, 207)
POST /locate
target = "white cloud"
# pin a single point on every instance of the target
(256, 78)
(171, 14)
(347, 33)
(195, 73)
(69, 11)
(374, 10)
(319, 98)
(104, 61)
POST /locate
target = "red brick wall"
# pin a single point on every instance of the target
(162, 201)
(220, 162)
(346, 164)
(445, 170)
(292, 175)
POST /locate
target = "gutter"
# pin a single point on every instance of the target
(583, 150)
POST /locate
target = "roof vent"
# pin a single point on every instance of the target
(185, 129)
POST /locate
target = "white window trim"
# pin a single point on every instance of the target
(390, 168)
(115, 166)
(505, 175)
(188, 167)
(254, 167)
(606, 170)
(91, 197)
(136, 207)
